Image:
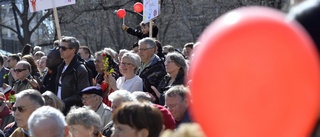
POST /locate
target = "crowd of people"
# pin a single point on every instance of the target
(139, 91)
(73, 92)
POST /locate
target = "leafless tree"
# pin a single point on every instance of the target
(25, 21)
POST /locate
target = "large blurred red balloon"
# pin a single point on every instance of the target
(255, 75)
(121, 13)
(138, 7)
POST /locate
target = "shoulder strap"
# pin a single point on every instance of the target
(88, 70)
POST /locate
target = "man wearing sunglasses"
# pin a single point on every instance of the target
(22, 70)
(12, 61)
(72, 75)
(27, 101)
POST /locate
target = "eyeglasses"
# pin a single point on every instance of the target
(171, 106)
(86, 98)
(21, 109)
(143, 49)
(125, 64)
(64, 48)
(19, 70)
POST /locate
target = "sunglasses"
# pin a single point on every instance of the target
(21, 109)
(64, 48)
(19, 70)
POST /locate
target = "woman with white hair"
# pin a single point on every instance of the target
(129, 66)
(83, 122)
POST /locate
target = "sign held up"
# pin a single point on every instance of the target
(151, 10)
(38, 5)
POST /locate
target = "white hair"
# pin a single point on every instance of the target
(111, 52)
(124, 95)
(141, 96)
(37, 47)
(84, 116)
(150, 42)
(134, 59)
(45, 113)
(122, 51)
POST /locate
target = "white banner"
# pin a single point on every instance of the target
(151, 10)
(37, 5)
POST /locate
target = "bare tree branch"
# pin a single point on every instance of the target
(2, 25)
(41, 21)
(15, 10)
(32, 16)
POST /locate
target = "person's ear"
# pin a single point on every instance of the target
(97, 97)
(163, 128)
(66, 132)
(74, 49)
(155, 49)
(91, 129)
(143, 133)
(186, 102)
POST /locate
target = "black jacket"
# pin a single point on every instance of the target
(152, 75)
(73, 80)
(163, 86)
(49, 81)
(138, 33)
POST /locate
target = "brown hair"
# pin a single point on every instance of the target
(34, 66)
(189, 45)
(140, 116)
(86, 50)
(73, 43)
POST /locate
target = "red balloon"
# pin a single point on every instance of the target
(255, 75)
(138, 7)
(121, 13)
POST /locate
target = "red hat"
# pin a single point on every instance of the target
(168, 119)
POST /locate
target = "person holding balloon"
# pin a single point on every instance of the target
(143, 32)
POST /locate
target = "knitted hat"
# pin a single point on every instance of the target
(168, 119)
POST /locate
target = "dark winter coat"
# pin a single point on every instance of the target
(73, 80)
(152, 75)
(138, 33)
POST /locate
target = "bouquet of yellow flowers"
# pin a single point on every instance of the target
(106, 67)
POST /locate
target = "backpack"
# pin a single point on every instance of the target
(90, 75)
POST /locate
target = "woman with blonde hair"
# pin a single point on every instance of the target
(52, 100)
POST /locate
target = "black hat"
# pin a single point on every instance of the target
(92, 90)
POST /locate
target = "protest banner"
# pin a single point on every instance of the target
(38, 5)
(151, 10)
